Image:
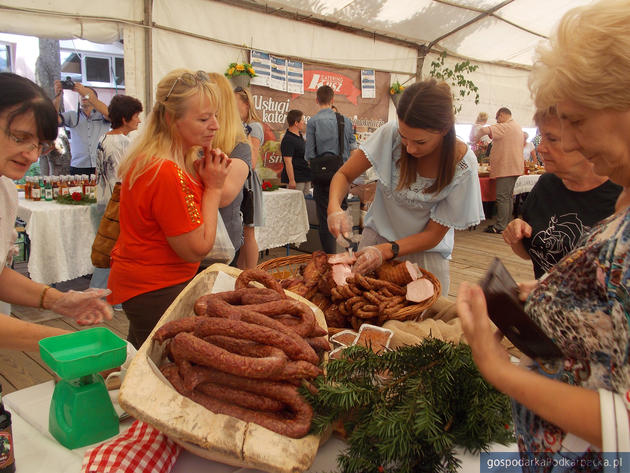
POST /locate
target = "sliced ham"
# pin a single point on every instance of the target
(341, 272)
(420, 290)
(342, 258)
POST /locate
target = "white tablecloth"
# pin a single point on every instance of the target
(36, 451)
(525, 183)
(61, 239)
(286, 220)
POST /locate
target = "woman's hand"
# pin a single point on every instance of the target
(340, 223)
(86, 307)
(525, 288)
(213, 168)
(484, 340)
(368, 259)
(516, 230)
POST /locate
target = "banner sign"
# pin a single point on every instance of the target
(368, 84)
(261, 62)
(366, 114)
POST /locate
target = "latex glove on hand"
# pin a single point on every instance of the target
(368, 260)
(86, 307)
(340, 223)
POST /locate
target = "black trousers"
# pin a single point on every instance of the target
(320, 195)
(144, 311)
(74, 171)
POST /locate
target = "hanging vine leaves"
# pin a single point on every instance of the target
(456, 77)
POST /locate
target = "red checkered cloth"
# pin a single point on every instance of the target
(141, 449)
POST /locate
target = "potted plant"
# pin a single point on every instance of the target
(395, 91)
(240, 73)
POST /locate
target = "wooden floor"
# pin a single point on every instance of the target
(473, 252)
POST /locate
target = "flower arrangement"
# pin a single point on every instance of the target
(396, 88)
(268, 186)
(76, 198)
(238, 69)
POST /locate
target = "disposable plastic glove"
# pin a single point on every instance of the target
(86, 307)
(340, 223)
(369, 259)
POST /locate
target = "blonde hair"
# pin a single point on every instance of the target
(230, 131)
(246, 97)
(542, 115)
(160, 140)
(482, 117)
(587, 59)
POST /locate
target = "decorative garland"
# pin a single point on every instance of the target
(407, 409)
(76, 198)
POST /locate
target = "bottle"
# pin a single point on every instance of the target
(48, 191)
(27, 187)
(7, 459)
(93, 186)
(63, 185)
(55, 187)
(85, 184)
(36, 192)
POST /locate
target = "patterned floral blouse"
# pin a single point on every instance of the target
(582, 303)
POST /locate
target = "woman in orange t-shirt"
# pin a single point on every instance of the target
(171, 188)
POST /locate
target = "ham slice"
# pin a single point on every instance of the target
(342, 258)
(341, 272)
(420, 290)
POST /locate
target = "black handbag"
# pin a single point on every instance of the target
(247, 204)
(325, 165)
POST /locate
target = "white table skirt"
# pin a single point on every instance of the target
(36, 451)
(286, 220)
(61, 239)
(525, 183)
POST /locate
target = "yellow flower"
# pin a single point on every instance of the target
(250, 70)
(240, 67)
(230, 71)
(392, 91)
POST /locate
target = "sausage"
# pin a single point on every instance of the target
(259, 295)
(258, 333)
(263, 277)
(296, 371)
(319, 343)
(240, 398)
(170, 329)
(288, 306)
(189, 347)
(222, 309)
(296, 426)
(393, 288)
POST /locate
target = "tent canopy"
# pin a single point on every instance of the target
(497, 31)
(387, 35)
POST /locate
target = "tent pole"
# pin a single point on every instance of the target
(148, 54)
(422, 53)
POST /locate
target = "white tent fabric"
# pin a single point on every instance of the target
(372, 34)
(500, 31)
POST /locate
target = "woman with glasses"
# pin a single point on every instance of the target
(576, 405)
(253, 210)
(28, 123)
(172, 182)
(231, 137)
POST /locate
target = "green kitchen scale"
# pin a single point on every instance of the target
(81, 411)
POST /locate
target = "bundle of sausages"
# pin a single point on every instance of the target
(349, 300)
(245, 352)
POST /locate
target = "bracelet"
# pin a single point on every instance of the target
(41, 298)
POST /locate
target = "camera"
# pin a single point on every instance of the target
(67, 84)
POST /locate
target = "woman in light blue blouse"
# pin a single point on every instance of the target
(427, 185)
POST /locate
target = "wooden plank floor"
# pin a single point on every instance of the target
(473, 252)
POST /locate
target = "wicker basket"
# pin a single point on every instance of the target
(287, 266)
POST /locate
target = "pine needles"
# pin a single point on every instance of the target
(406, 410)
